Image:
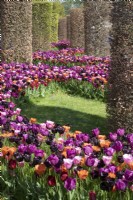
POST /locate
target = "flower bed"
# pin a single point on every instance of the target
(55, 157)
(49, 161)
(16, 77)
(69, 57)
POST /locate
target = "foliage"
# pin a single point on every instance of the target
(54, 27)
(42, 15)
(58, 8)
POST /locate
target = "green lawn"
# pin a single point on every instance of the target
(82, 114)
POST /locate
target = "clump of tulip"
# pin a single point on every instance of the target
(63, 44)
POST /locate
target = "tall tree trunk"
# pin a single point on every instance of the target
(97, 27)
(77, 28)
(62, 29)
(120, 91)
(16, 30)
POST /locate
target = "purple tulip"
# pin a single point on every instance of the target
(39, 153)
(50, 124)
(53, 159)
(22, 148)
(68, 163)
(96, 132)
(88, 150)
(70, 183)
(120, 185)
(109, 151)
(85, 137)
(113, 136)
(107, 160)
(120, 131)
(128, 158)
(118, 146)
(90, 162)
(31, 148)
(76, 160)
(19, 119)
(130, 138)
(129, 175)
(71, 153)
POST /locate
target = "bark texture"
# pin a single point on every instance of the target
(77, 38)
(97, 27)
(16, 30)
(68, 27)
(120, 88)
(62, 29)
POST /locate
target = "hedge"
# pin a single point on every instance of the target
(42, 21)
(54, 27)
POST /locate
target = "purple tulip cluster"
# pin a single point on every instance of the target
(63, 44)
(16, 77)
(72, 156)
(50, 147)
(68, 56)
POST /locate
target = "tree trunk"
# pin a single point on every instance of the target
(16, 30)
(97, 27)
(77, 28)
(62, 29)
(120, 88)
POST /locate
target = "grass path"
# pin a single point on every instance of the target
(80, 113)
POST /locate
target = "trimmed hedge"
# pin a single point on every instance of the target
(58, 8)
(62, 29)
(77, 38)
(42, 21)
(54, 27)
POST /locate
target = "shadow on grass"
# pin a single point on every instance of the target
(77, 120)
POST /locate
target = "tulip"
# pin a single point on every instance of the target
(92, 195)
(51, 181)
(70, 183)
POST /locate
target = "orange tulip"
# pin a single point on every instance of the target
(85, 144)
(63, 168)
(33, 120)
(96, 148)
(6, 135)
(103, 137)
(114, 189)
(11, 152)
(82, 162)
(131, 165)
(67, 128)
(82, 174)
(4, 150)
(111, 175)
(77, 132)
(105, 143)
(40, 169)
(119, 168)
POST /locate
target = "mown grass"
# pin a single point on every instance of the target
(82, 114)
